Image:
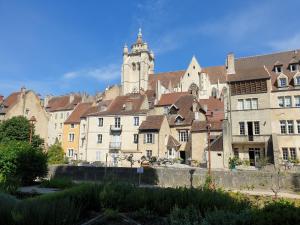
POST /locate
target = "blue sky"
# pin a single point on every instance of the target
(60, 46)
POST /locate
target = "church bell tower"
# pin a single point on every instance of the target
(138, 63)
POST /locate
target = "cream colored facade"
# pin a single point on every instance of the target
(28, 104)
(56, 124)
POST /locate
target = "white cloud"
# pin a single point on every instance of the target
(109, 72)
(289, 43)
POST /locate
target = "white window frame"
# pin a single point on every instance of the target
(99, 138)
(70, 152)
(242, 128)
(290, 126)
(135, 138)
(283, 127)
(72, 125)
(149, 153)
(285, 153)
(71, 137)
(136, 121)
(256, 126)
(183, 135)
(297, 101)
(100, 122)
(293, 153)
(298, 126)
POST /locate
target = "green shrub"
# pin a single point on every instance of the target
(56, 154)
(111, 214)
(61, 183)
(222, 217)
(7, 203)
(21, 161)
(187, 216)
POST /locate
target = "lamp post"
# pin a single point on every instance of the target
(32, 122)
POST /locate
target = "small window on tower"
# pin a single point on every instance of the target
(133, 66)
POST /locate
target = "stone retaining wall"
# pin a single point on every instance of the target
(180, 177)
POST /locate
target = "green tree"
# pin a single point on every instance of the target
(21, 162)
(56, 154)
(18, 128)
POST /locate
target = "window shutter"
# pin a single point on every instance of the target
(145, 138)
(153, 136)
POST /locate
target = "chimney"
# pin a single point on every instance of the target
(1, 98)
(23, 90)
(71, 98)
(158, 90)
(205, 108)
(195, 104)
(230, 64)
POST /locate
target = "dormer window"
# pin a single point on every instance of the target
(293, 67)
(282, 82)
(297, 80)
(278, 69)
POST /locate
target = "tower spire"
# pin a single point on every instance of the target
(139, 37)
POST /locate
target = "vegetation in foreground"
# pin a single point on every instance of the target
(147, 205)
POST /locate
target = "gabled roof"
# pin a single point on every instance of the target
(79, 111)
(124, 105)
(172, 142)
(170, 98)
(11, 99)
(165, 78)
(215, 74)
(214, 106)
(61, 103)
(99, 107)
(262, 67)
(152, 122)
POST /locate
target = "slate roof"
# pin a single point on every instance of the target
(172, 142)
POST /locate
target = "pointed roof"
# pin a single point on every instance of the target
(172, 142)
(152, 122)
(65, 102)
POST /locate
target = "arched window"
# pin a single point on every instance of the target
(133, 66)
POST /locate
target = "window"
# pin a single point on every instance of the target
(293, 155)
(149, 138)
(283, 126)
(136, 121)
(60, 125)
(290, 124)
(298, 126)
(183, 135)
(149, 153)
(72, 125)
(282, 82)
(135, 138)
(254, 103)
(285, 154)
(247, 103)
(55, 125)
(293, 67)
(297, 101)
(71, 137)
(166, 110)
(98, 154)
(288, 101)
(118, 122)
(281, 102)
(61, 115)
(278, 69)
(100, 122)
(70, 152)
(297, 80)
(27, 112)
(59, 137)
(240, 104)
(99, 138)
(56, 116)
(68, 114)
(256, 128)
(242, 128)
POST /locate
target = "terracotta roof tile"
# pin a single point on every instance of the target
(200, 126)
(214, 106)
(125, 105)
(215, 74)
(170, 98)
(152, 122)
(80, 109)
(61, 103)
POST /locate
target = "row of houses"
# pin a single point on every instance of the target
(248, 108)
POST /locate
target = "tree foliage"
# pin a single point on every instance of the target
(56, 154)
(18, 128)
(21, 161)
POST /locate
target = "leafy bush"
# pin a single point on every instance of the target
(61, 183)
(22, 161)
(187, 216)
(7, 203)
(227, 218)
(56, 154)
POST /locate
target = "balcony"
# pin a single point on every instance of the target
(250, 138)
(114, 145)
(115, 128)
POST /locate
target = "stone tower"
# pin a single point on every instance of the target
(138, 63)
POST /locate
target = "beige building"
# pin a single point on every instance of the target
(112, 131)
(59, 109)
(263, 108)
(26, 103)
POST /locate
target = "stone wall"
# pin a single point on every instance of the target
(175, 177)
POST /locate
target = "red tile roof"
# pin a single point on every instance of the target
(170, 98)
(214, 106)
(201, 126)
(125, 105)
(165, 78)
(80, 109)
(152, 122)
(61, 103)
(215, 74)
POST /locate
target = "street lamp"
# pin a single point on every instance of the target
(32, 122)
